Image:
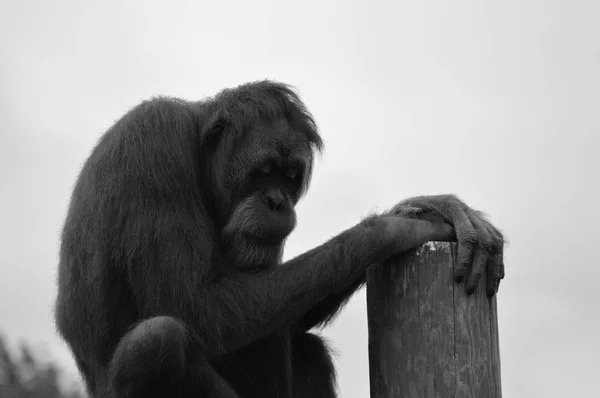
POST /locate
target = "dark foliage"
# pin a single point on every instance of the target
(24, 376)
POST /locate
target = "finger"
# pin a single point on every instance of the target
(492, 281)
(485, 235)
(495, 271)
(483, 249)
(500, 266)
(467, 239)
(434, 208)
(406, 211)
(477, 270)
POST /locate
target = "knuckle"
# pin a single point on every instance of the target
(461, 270)
(465, 253)
(487, 243)
(451, 197)
(497, 235)
(396, 207)
(476, 274)
(404, 210)
(469, 238)
(474, 280)
(456, 201)
(496, 231)
(495, 246)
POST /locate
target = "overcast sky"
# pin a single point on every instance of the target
(496, 101)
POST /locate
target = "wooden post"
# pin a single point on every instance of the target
(427, 338)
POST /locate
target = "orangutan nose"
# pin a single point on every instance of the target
(275, 198)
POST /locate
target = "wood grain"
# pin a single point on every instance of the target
(427, 338)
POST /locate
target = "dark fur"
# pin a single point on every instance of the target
(160, 291)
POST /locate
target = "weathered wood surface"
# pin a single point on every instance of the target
(427, 338)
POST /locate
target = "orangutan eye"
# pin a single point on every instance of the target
(292, 173)
(266, 169)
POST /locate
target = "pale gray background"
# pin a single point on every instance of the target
(495, 101)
